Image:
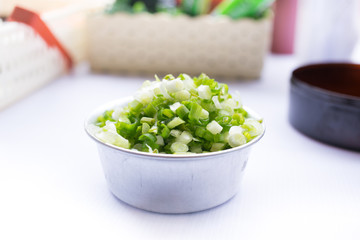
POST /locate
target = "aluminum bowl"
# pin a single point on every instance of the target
(325, 103)
(166, 183)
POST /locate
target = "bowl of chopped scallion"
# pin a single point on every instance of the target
(179, 145)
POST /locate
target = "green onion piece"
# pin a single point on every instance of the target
(185, 137)
(214, 127)
(175, 133)
(166, 113)
(222, 138)
(217, 147)
(149, 146)
(195, 111)
(157, 79)
(178, 147)
(208, 136)
(208, 105)
(153, 129)
(107, 116)
(113, 138)
(182, 111)
(223, 119)
(204, 92)
(125, 129)
(247, 136)
(147, 120)
(204, 114)
(196, 149)
(224, 89)
(135, 107)
(236, 139)
(175, 106)
(175, 122)
(200, 132)
(174, 85)
(169, 77)
(150, 110)
(145, 128)
(208, 81)
(165, 132)
(207, 146)
(237, 119)
(138, 146)
(254, 127)
(182, 95)
(241, 111)
(160, 140)
(147, 137)
(216, 101)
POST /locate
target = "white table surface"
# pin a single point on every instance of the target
(52, 185)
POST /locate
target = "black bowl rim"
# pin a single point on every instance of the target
(340, 98)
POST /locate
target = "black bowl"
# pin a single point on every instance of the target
(325, 103)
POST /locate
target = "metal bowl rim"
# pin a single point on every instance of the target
(162, 156)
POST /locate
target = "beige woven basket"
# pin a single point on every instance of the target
(160, 43)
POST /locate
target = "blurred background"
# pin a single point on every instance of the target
(225, 38)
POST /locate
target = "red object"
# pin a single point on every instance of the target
(214, 4)
(34, 20)
(284, 26)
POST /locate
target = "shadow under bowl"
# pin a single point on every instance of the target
(325, 103)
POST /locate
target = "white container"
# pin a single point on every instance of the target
(167, 183)
(26, 62)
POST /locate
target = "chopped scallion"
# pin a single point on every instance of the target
(178, 115)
